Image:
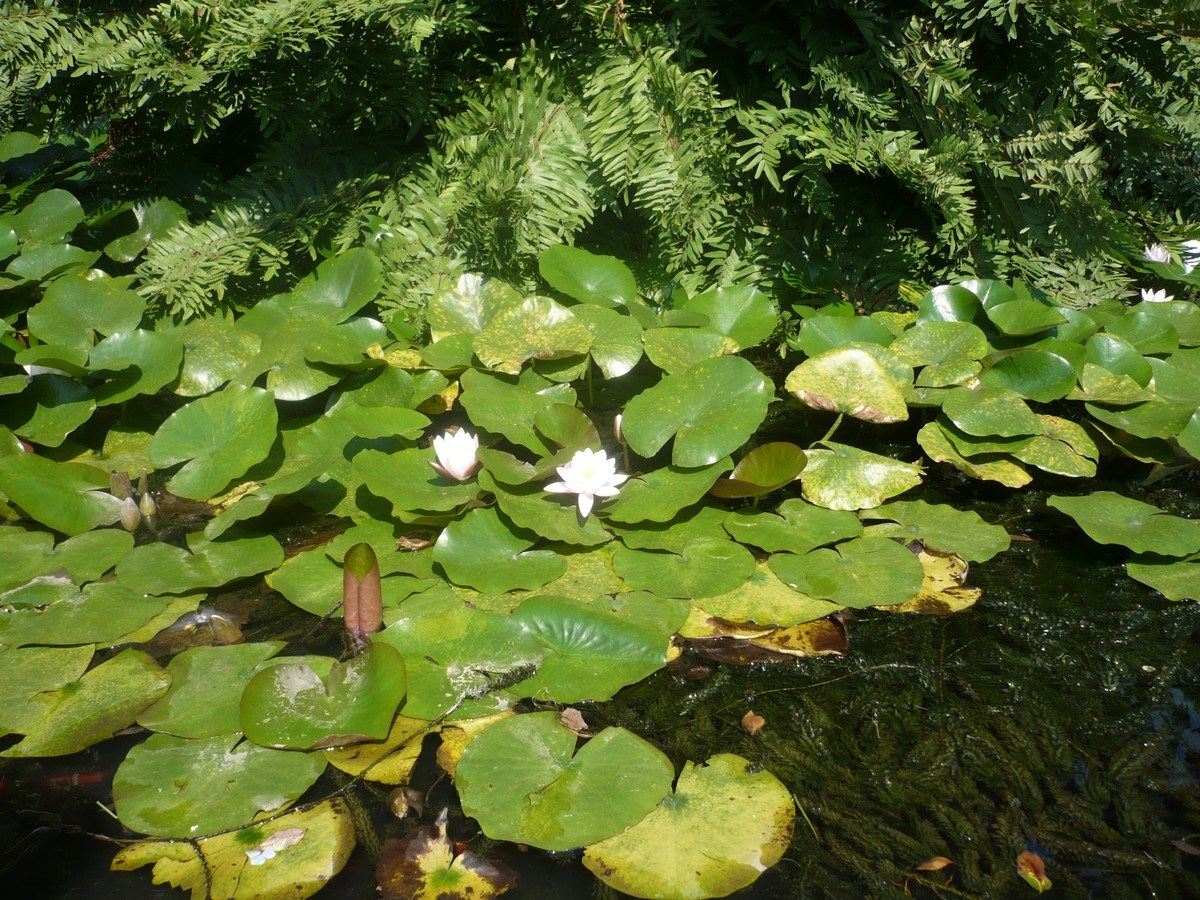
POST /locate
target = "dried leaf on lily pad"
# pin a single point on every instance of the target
(253, 862)
(943, 591)
(1032, 870)
(721, 828)
(422, 865)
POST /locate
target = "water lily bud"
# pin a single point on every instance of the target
(617, 433)
(118, 485)
(456, 454)
(362, 593)
(148, 507)
(131, 518)
(143, 487)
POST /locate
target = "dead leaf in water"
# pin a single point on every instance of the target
(935, 864)
(1031, 868)
(753, 722)
(423, 865)
(943, 589)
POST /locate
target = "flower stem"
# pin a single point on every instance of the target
(832, 429)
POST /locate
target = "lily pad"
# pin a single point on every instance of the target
(49, 409)
(587, 277)
(389, 761)
(166, 569)
(710, 409)
(1110, 518)
(766, 468)
(1145, 331)
(219, 437)
(1021, 317)
(85, 712)
(1118, 357)
(154, 220)
(500, 405)
(724, 824)
(701, 522)
(944, 591)
(215, 351)
(949, 352)
(659, 495)
(742, 313)
(75, 309)
(616, 339)
(30, 673)
(68, 497)
(850, 381)
(538, 328)
(409, 481)
(206, 690)
(215, 784)
(481, 550)
(469, 306)
(318, 839)
(798, 528)
(288, 705)
(532, 508)
(842, 477)
(990, 410)
(1033, 373)
(706, 568)
(822, 333)
(765, 600)
(936, 442)
(962, 532)
(102, 612)
(859, 573)
(425, 865)
(143, 363)
(676, 350)
(522, 780)
(1175, 579)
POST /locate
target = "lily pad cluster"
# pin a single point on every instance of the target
(562, 490)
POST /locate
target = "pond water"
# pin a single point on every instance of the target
(1058, 716)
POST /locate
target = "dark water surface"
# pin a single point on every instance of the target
(1058, 716)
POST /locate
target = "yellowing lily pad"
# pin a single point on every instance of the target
(851, 381)
(389, 761)
(538, 328)
(943, 591)
(842, 477)
(423, 865)
(721, 828)
(766, 600)
(935, 441)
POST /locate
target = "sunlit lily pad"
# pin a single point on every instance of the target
(1175, 579)
(798, 527)
(1145, 330)
(483, 551)
(1098, 385)
(742, 313)
(765, 600)
(936, 442)
(949, 303)
(389, 761)
(676, 350)
(851, 381)
(409, 481)
(1033, 373)
(504, 406)
(85, 557)
(990, 410)
(822, 333)
(522, 780)
(949, 352)
(587, 277)
(49, 409)
(710, 410)
(658, 495)
(944, 590)
(1020, 317)
(426, 865)
(701, 522)
(538, 328)
(216, 784)
(1155, 419)
(289, 705)
(531, 507)
(1117, 356)
(102, 612)
(166, 569)
(706, 568)
(142, 363)
(859, 573)
(31, 673)
(616, 339)
(939, 525)
(85, 712)
(68, 497)
(75, 309)
(469, 306)
(206, 690)
(219, 436)
(1109, 518)
(842, 477)
(766, 468)
(307, 848)
(724, 824)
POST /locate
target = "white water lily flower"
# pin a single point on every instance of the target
(1191, 256)
(1156, 253)
(1160, 296)
(590, 474)
(456, 454)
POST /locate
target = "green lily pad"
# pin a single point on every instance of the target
(307, 848)
(41, 262)
(567, 426)
(313, 582)
(206, 690)
(990, 410)
(589, 653)
(522, 780)
(798, 528)
(1175, 579)
(1109, 518)
(1098, 385)
(341, 286)
(483, 551)
(1118, 357)
(214, 351)
(711, 409)
(1021, 317)
(501, 406)
(154, 220)
(1184, 317)
(287, 333)
(706, 568)
(216, 784)
(1145, 330)
(75, 309)
(68, 497)
(538, 328)
(31, 672)
(219, 437)
(587, 277)
(49, 409)
(742, 313)
(529, 506)
(842, 477)
(822, 333)
(71, 360)
(616, 339)
(726, 822)
(1155, 419)
(949, 352)
(938, 443)
(165, 569)
(289, 705)
(143, 362)
(858, 573)
(104, 701)
(949, 303)
(766, 468)
(765, 600)
(940, 526)
(1033, 373)
(469, 306)
(851, 381)
(102, 612)
(700, 522)
(51, 216)
(676, 350)
(659, 495)
(409, 481)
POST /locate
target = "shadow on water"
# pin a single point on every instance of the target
(1056, 716)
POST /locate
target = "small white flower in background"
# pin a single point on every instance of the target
(455, 454)
(1156, 253)
(590, 474)
(1191, 256)
(1156, 296)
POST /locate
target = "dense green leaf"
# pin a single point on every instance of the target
(861, 572)
(587, 277)
(483, 551)
(1109, 518)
